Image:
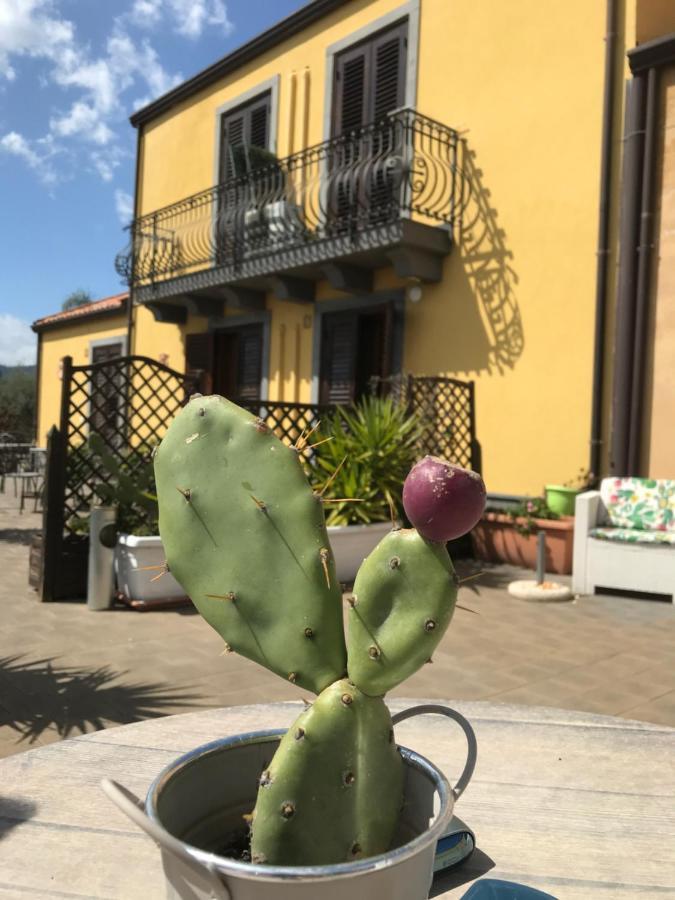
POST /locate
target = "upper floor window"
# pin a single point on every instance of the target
(370, 79)
(243, 131)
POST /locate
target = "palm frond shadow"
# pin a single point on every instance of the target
(14, 811)
(482, 575)
(38, 695)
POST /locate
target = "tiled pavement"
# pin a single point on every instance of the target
(65, 670)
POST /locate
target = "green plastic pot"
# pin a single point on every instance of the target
(560, 499)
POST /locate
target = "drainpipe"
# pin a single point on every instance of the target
(603, 242)
(130, 301)
(627, 279)
(643, 281)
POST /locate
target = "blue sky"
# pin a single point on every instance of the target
(71, 72)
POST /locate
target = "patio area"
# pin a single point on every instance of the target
(65, 670)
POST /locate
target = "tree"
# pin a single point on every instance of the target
(17, 403)
(77, 298)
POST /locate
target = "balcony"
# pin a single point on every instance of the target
(386, 195)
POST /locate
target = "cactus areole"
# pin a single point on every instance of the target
(442, 500)
(245, 536)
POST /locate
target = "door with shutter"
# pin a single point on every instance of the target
(244, 133)
(369, 83)
(199, 362)
(355, 346)
(238, 357)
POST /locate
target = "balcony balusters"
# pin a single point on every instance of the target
(407, 166)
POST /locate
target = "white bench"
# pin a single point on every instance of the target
(625, 541)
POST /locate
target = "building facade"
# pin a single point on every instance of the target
(375, 187)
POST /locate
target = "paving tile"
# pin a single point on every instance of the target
(602, 654)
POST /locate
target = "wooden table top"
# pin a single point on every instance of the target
(573, 804)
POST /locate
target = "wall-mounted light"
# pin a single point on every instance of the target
(414, 291)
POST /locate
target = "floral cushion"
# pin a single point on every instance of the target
(634, 536)
(646, 504)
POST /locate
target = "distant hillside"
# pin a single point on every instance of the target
(6, 370)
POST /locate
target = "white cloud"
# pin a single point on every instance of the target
(16, 145)
(124, 204)
(146, 13)
(85, 120)
(28, 28)
(102, 88)
(18, 344)
(189, 18)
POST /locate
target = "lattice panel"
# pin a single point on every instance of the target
(444, 408)
(129, 402)
(287, 420)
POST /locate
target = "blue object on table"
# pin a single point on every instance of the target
(454, 846)
(496, 889)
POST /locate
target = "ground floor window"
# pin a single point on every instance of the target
(356, 345)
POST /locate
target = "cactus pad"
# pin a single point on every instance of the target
(403, 601)
(245, 536)
(333, 790)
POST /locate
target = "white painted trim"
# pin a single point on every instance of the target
(409, 10)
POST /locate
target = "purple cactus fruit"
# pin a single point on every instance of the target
(442, 500)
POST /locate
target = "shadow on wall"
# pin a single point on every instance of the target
(487, 308)
(38, 696)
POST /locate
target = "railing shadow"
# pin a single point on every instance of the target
(488, 264)
(37, 695)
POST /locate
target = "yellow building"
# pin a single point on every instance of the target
(373, 187)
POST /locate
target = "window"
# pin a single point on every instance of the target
(227, 362)
(356, 345)
(370, 80)
(243, 131)
(107, 395)
(369, 84)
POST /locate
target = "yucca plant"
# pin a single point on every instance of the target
(363, 452)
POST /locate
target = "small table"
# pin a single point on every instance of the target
(574, 804)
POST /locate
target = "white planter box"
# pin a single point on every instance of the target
(133, 555)
(352, 543)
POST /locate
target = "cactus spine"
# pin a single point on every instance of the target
(245, 536)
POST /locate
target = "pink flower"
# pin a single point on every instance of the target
(613, 498)
(530, 506)
(617, 482)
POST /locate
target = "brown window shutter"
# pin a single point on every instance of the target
(249, 362)
(199, 362)
(370, 79)
(246, 126)
(388, 63)
(338, 357)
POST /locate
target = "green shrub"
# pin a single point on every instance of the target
(378, 442)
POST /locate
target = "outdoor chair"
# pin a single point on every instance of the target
(624, 537)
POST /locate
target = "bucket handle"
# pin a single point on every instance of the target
(472, 748)
(128, 803)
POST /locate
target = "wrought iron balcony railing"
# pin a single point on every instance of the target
(407, 166)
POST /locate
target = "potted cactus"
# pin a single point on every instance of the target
(313, 811)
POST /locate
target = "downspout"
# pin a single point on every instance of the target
(603, 242)
(130, 301)
(643, 280)
(627, 278)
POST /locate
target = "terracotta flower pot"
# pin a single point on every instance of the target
(496, 539)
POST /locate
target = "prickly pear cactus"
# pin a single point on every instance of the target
(245, 536)
(403, 600)
(332, 792)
